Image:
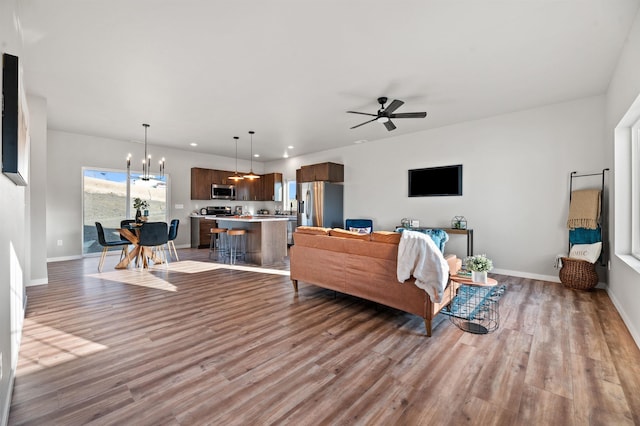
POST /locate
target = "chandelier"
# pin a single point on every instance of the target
(146, 160)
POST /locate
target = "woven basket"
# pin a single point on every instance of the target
(578, 274)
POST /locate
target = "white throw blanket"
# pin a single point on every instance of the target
(419, 255)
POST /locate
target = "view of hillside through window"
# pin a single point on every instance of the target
(106, 201)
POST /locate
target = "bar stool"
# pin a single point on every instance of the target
(217, 243)
(236, 244)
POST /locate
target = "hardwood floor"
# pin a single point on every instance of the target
(200, 343)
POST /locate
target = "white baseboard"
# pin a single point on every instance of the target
(627, 321)
(6, 404)
(63, 258)
(40, 281)
(552, 278)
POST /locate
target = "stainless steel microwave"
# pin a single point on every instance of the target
(223, 192)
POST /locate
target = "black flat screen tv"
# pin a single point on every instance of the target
(435, 181)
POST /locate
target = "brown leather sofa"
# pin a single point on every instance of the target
(362, 265)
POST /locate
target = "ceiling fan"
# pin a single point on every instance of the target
(385, 115)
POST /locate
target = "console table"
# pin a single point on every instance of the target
(455, 231)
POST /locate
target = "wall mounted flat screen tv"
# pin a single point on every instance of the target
(435, 181)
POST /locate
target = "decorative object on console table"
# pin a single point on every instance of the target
(479, 265)
(459, 222)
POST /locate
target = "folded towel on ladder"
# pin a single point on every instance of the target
(584, 209)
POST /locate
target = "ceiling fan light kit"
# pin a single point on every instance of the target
(385, 115)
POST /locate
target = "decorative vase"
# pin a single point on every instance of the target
(479, 277)
(138, 215)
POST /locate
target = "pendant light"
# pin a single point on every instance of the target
(236, 176)
(146, 160)
(252, 175)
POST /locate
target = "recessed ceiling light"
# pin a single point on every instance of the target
(285, 155)
(361, 141)
(256, 155)
(290, 147)
(193, 144)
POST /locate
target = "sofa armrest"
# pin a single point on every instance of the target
(455, 264)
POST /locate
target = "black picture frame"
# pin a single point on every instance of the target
(15, 129)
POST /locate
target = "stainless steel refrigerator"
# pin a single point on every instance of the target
(320, 204)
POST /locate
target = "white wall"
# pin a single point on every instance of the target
(67, 153)
(36, 191)
(516, 175)
(624, 284)
(13, 245)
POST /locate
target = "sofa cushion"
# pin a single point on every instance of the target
(322, 242)
(386, 237)
(338, 232)
(365, 230)
(313, 230)
(370, 249)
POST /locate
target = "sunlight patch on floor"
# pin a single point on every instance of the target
(138, 277)
(49, 347)
(193, 266)
(190, 266)
(252, 269)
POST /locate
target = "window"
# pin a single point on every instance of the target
(290, 200)
(108, 198)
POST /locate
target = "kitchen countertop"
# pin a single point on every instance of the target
(255, 216)
(248, 218)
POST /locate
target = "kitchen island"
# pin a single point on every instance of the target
(266, 237)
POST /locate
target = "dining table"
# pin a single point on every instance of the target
(141, 254)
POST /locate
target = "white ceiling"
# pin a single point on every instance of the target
(206, 70)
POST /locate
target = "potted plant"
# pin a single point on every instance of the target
(479, 265)
(140, 204)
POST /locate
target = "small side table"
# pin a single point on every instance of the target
(474, 309)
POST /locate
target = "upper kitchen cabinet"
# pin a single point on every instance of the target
(221, 177)
(328, 172)
(272, 187)
(248, 190)
(201, 180)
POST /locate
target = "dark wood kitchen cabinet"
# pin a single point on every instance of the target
(248, 190)
(328, 172)
(201, 180)
(272, 187)
(267, 188)
(200, 228)
(221, 177)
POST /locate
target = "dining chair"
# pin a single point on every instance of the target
(173, 233)
(154, 235)
(108, 244)
(123, 224)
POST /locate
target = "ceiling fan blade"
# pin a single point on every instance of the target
(362, 124)
(409, 115)
(363, 113)
(393, 106)
(389, 125)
